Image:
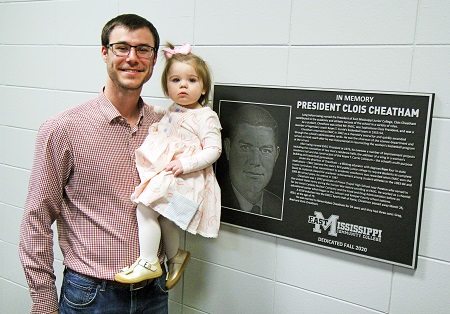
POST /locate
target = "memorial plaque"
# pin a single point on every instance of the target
(340, 169)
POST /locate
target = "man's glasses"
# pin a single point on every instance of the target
(123, 50)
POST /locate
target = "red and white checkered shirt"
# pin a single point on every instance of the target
(83, 175)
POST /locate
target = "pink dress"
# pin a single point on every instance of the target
(191, 200)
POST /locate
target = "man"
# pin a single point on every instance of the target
(252, 151)
(82, 177)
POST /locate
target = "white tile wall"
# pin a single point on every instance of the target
(424, 290)
(166, 16)
(235, 22)
(26, 108)
(36, 68)
(14, 187)
(2, 184)
(12, 268)
(432, 23)
(37, 28)
(360, 281)
(247, 65)
(245, 251)
(18, 155)
(3, 304)
(367, 68)
(71, 31)
(438, 174)
(10, 218)
(59, 269)
(2, 263)
(2, 141)
(56, 250)
(175, 307)
(328, 22)
(2, 61)
(431, 73)
(216, 289)
(20, 0)
(187, 310)
(51, 61)
(434, 236)
(292, 300)
(15, 298)
(87, 76)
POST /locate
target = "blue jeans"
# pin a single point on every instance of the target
(82, 294)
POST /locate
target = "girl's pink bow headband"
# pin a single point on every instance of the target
(183, 49)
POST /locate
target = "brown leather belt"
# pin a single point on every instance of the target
(129, 286)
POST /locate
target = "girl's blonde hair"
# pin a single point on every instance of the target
(200, 67)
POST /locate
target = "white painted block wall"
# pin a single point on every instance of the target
(50, 60)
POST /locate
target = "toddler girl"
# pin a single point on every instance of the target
(178, 186)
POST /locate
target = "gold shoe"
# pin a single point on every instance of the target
(176, 266)
(139, 271)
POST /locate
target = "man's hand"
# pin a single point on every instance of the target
(175, 166)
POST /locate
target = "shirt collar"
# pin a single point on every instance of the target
(243, 203)
(111, 113)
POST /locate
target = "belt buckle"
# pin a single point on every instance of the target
(138, 285)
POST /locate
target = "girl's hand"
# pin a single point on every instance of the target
(175, 166)
(151, 107)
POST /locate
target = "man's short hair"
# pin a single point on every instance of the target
(131, 22)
